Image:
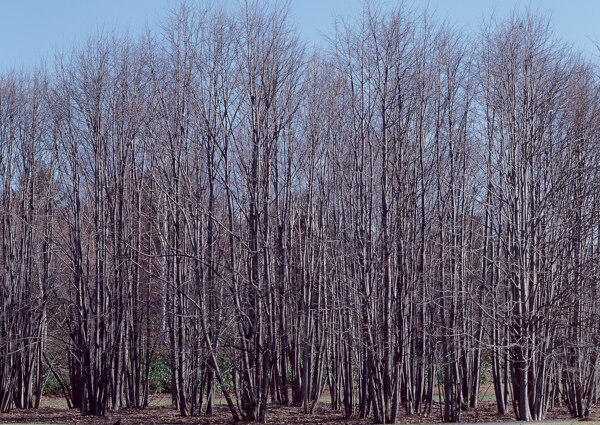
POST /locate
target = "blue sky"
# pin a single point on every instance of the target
(33, 29)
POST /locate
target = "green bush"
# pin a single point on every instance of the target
(160, 377)
(52, 387)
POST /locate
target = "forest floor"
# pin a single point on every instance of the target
(54, 411)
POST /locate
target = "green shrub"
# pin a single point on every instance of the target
(160, 377)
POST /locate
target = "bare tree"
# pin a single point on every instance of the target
(381, 219)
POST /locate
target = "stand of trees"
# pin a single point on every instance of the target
(387, 221)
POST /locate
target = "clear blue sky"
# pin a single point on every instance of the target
(33, 29)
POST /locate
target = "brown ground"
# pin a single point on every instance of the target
(158, 413)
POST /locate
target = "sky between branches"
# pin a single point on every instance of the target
(31, 30)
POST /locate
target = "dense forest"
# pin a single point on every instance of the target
(383, 223)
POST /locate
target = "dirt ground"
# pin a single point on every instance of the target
(158, 413)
